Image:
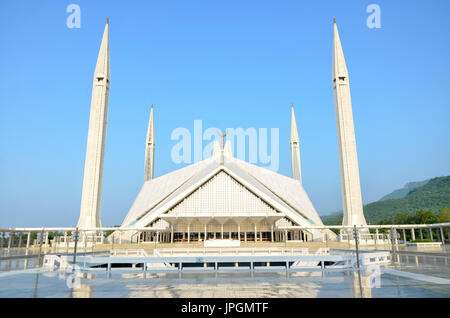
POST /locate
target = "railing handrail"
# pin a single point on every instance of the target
(317, 227)
(232, 250)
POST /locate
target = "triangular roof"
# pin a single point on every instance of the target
(284, 194)
(222, 197)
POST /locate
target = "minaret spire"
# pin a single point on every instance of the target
(295, 149)
(149, 150)
(95, 151)
(348, 159)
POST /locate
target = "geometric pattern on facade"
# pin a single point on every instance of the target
(221, 196)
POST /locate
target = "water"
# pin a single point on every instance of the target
(229, 285)
(18, 280)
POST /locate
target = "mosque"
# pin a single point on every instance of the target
(221, 197)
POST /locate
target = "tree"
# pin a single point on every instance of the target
(402, 218)
(444, 215)
(424, 217)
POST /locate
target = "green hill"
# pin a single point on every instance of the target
(432, 196)
(403, 192)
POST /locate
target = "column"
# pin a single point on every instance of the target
(171, 233)
(221, 230)
(20, 239)
(65, 238)
(9, 240)
(395, 236)
(421, 234)
(404, 235)
(271, 232)
(245, 236)
(28, 239)
(430, 231)
(442, 235)
(206, 232)
(239, 232)
(438, 235)
(46, 239)
(256, 234)
(189, 233)
(413, 234)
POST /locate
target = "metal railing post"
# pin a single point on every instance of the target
(355, 235)
(75, 236)
(393, 233)
(40, 248)
(355, 231)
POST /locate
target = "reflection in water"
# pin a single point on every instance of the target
(226, 285)
(82, 291)
(362, 284)
(311, 284)
(35, 289)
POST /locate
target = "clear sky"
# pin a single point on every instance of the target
(230, 64)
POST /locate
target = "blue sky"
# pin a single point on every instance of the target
(230, 64)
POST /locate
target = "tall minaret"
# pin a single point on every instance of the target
(348, 159)
(149, 150)
(295, 149)
(95, 152)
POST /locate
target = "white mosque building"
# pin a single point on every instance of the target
(221, 197)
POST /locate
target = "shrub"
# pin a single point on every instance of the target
(422, 241)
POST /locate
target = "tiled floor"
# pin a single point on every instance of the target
(230, 285)
(14, 282)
